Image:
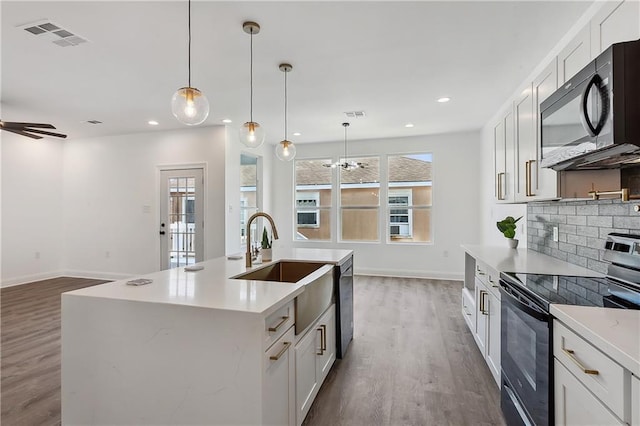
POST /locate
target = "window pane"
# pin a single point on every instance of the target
(313, 183)
(248, 195)
(313, 224)
(359, 225)
(360, 186)
(414, 227)
(410, 172)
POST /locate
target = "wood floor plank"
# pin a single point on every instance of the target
(30, 350)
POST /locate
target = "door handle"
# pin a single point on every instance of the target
(500, 186)
(528, 190)
(162, 232)
(322, 348)
(483, 310)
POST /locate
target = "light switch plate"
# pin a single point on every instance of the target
(555, 233)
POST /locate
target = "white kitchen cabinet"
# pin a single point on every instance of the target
(616, 21)
(635, 401)
(480, 333)
(493, 336)
(487, 322)
(279, 382)
(504, 158)
(315, 353)
(575, 55)
(574, 404)
(525, 140)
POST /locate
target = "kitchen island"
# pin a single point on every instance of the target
(193, 347)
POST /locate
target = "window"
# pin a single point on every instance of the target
(248, 195)
(409, 201)
(360, 200)
(313, 200)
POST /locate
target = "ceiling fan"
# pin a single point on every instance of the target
(30, 130)
(347, 164)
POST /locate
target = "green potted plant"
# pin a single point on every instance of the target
(508, 228)
(266, 246)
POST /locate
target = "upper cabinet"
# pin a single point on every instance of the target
(616, 21)
(504, 158)
(525, 141)
(575, 55)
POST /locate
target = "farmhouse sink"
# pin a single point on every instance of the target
(318, 287)
(284, 272)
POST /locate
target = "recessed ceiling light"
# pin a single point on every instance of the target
(444, 99)
(297, 134)
(226, 120)
(408, 125)
(153, 122)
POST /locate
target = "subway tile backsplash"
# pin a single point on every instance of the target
(583, 227)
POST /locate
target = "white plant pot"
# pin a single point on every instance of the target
(266, 255)
(513, 243)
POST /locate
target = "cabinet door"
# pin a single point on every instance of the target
(575, 405)
(526, 145)
(616, 21)
(307, 380)
(545, 180)
(575, 55)
(493, 337)
(504, 159)
(499, 160)
(278, 403)
(480, 333)
(327, 354)
(635, 401)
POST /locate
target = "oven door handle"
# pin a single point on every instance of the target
(527, 309)
(516, 403)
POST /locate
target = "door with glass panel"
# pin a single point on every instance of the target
(181, 217)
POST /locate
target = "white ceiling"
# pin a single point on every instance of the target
(390, 59)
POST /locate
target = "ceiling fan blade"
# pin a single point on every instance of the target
(42, 132)
(18, 125)
(22, 133)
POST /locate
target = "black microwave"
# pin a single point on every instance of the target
(593, 120)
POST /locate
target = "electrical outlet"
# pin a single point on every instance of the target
(37, 255)
(445, 253)
(555, 233)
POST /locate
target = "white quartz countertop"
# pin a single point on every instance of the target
(213, 287)
(525, 261)
(616, 332)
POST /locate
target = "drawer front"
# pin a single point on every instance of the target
(469, 309)
(481, 271)
(489, 277)
(596, 371)
(277, 323)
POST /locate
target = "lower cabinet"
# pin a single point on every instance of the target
(278, 402)
(487, 327)
(315, 353)
(575, 405)
(635, 401)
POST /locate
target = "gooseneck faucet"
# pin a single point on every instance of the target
(251, 219)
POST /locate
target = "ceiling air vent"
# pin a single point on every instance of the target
(47, 30)
(94, 122)
(355, 114)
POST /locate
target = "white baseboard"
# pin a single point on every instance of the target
(433, 275)
(9, 282)
(97, 275)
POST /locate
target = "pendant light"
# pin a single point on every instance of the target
(189, 105)
(346, 164)
(285, 150)
(251, 133)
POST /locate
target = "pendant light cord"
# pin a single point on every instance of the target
(345, 142)
(189, 43)
(251, 79)
(285, 105)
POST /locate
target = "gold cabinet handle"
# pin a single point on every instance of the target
(321, 330)
(279, 354)
(570, 354)
(500, 186)
(482, 303)
(528, 180)
(493, 283)
(280, 324)
(323, 342)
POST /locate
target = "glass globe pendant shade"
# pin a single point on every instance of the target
(251, 134)
(190, 106)
(286, 150)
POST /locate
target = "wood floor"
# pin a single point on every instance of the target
(413, 361)
(30, 351)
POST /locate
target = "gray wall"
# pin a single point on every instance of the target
(583, 228)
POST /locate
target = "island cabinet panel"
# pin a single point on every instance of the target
(126, 362)
(279, 382)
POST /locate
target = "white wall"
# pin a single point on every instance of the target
(111, 198)
(233, 149)
(455, 217)
(32, 218)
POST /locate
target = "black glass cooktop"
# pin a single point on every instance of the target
(569, 290)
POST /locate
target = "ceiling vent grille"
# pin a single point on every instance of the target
(355, 114)
(47, 30)
(94, 122)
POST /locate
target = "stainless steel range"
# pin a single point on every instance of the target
(527, 365)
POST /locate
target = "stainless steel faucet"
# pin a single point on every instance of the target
(251, 219)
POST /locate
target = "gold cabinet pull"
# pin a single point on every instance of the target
(280, 324)
(323, 336)
(500, 186)
(527, 165)
(321, 330)
(570, 354)
(279, 354)
(482, 303)
(493, 283)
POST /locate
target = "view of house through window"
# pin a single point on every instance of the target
(360, 200)
(248, 195)
(409, 204)
(313, 200)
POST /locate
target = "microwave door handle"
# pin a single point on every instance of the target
(603, 91)
(584, 117)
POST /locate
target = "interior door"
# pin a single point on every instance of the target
(181, 217)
